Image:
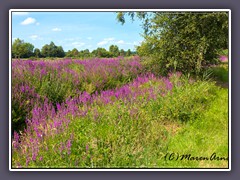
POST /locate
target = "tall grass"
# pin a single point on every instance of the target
(205, 136)
(106, 113)
(33, 82)
(123, 127)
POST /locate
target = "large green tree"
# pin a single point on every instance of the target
(114, 50)
(128, 53)
(101, 52)
(45, 51)
(51, 50)
(20, 49)
(183, 41)
(122, 52)
(85, 53)
(60, 52)
(75, 52)
(37, 52)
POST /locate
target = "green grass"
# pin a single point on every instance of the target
(192, 119)
(223, 52)
(220, 73)
(204, 136)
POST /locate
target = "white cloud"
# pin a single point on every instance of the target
(102, 43)
(56, 29)
(109, 39)
(73, 39)
(69, 39)
(137, 43)
(20, 13)
(106, 41)
(123, 44)
(33, 37)
(29, 20)
(120, 42)
(89, 38)
(78, 44)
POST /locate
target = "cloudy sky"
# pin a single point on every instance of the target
(81, 30)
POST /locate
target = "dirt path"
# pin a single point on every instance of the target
(223, 84)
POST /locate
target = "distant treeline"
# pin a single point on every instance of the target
(21, 49)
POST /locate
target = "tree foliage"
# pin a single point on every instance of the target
(128, 53)
(101, 52)
(20, 49)
(114, 50)
(185, 41)
(51, 50)
(37, 53)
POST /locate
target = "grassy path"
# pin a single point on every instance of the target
(203, 137)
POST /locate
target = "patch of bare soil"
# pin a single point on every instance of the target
(223, 84)
(171, 127)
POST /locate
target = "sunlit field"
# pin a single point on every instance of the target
(112, 113)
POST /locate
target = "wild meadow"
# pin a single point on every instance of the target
(112, 113)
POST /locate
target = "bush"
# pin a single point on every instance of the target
(188, 99)
(184, 41)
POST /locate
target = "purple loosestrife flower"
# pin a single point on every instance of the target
(169, 85)
(16, 139)
(117, 95)
(68, 146)
(22, 89)
(223, 58)
(34, 157)
(40, 135)
(27, 161)
(43, 73)
(19, 165)
(58, 106)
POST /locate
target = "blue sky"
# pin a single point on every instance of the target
(81, 30)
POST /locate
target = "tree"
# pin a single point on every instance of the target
(69, 53)
(185, 41)
(60, 52)
(85, 53)
(45, 51)
(128, 52)
(75, 52)
(101, 52)
(37, 52)
(27, 50)
(122, 52)
(52, 50)
(20, 49)
(17, 48)
(114, 50)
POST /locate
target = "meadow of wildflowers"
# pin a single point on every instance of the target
(99, 113)
(34, 82)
